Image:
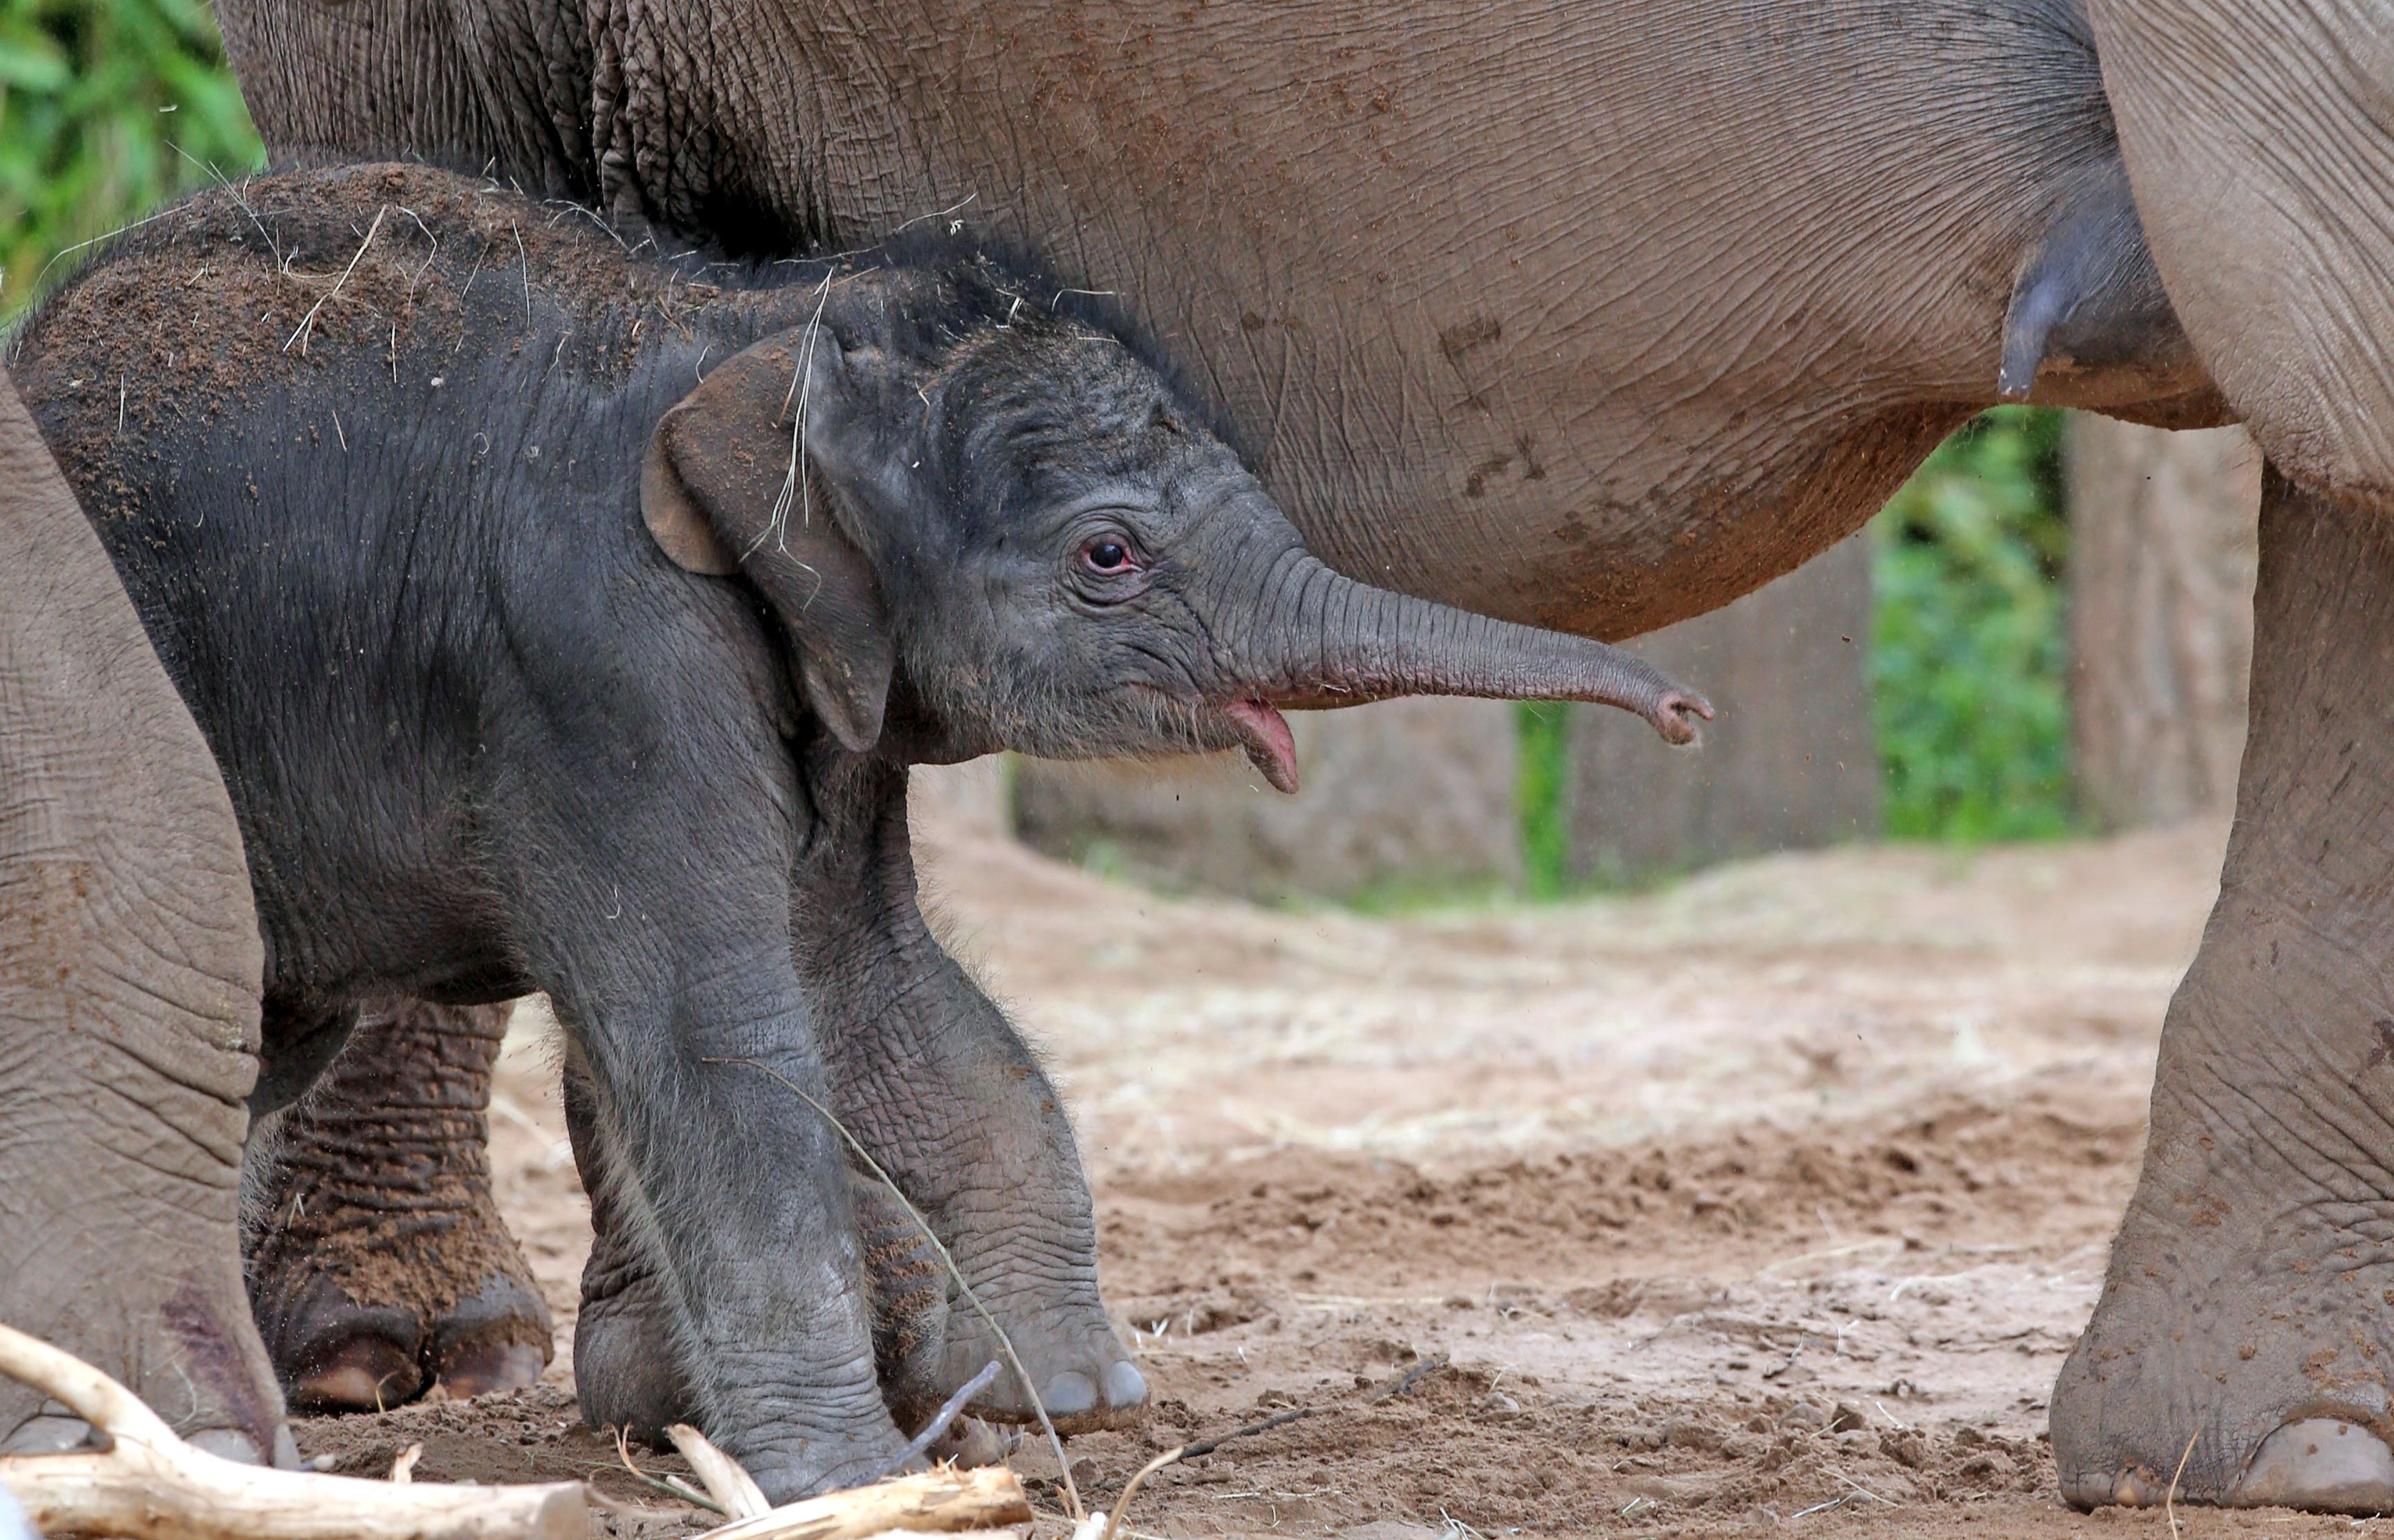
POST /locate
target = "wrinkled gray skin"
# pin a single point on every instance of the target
(128, 996)
(1594, 316)
(376, 1260)
(1604, 314)
(484, 736)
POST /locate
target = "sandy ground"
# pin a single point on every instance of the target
(1773, 1200)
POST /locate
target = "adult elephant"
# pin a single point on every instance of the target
(1600, 314)
(129, 975)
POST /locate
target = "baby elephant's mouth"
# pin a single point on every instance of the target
(1263, 732)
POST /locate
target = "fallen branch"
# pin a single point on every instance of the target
(724, 1480)
(151, 1485)
(940, 1502)
(671, 1486)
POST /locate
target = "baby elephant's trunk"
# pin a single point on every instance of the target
(1342, 643)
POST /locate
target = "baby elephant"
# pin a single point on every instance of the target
(563, 623)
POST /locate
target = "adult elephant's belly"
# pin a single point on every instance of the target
(1593, 313)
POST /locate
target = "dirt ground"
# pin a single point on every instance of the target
(1772, 1200)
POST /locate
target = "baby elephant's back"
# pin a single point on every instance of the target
(365, 446)
(329, 358)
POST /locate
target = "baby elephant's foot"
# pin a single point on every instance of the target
(378, 1265)
(622, 1351)
(624, 1363)
(1087, 1380)
(630, 1377)
(929, 1342)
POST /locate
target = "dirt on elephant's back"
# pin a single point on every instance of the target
(1772, 1200)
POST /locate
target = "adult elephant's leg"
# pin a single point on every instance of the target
(377, 1261)
(2247, 1305)
(129, 968)
(936, 1084)
(2243, 1325)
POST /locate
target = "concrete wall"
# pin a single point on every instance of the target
(2165, 539)
(1402, 795)
(1789, 763)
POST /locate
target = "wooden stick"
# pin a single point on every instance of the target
(151, 1485)
(939, 1502)
(731, 1485)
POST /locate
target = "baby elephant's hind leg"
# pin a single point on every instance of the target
(377, 1263)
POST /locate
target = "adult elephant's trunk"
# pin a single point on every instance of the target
(1339, 642)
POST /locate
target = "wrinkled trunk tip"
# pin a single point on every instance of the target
(1675, 712)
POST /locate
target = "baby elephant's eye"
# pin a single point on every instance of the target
(1106, 555)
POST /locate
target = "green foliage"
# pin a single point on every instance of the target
(1542, 796)
(108, 108)
(1969, 650)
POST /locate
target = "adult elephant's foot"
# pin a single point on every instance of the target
(378, 1265)
(910, 1315)
(180, 1339)
(2242, 1349)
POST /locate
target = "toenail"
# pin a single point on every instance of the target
(1124, 1386)
(225, 1443)
(479, 1368)
(2323, 1463)
(361, 1375)
(1070, 1394)
(48, 1435)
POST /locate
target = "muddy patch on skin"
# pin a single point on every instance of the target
(1791, 1281)
(286, 284)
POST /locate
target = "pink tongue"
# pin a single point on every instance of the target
(1269, 748)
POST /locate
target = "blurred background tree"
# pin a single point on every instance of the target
(1958, 708)
(108, 108)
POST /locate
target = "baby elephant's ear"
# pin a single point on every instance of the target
(724, 491)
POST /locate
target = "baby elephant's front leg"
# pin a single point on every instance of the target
(624, 1353)
(935, 1083)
